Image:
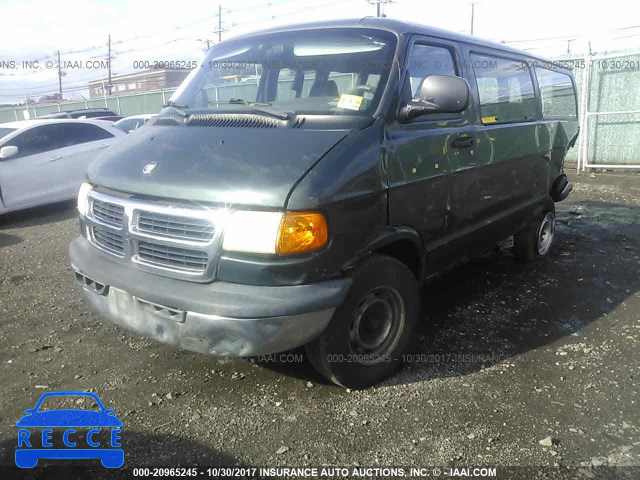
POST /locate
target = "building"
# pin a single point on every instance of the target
(138, 82)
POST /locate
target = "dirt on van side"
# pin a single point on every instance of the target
(531, 365)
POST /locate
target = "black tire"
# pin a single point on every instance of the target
(365, 341)
(535, 241)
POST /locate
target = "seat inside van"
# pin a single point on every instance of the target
(327, 88)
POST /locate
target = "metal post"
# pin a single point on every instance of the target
(59, 75)
(219, 23)
(473, 8)
(109, 64)
(584, 117)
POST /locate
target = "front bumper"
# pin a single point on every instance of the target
(218, 318)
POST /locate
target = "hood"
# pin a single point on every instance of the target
(231, 165)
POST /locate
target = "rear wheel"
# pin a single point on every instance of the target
(535, 241)
(365, 341)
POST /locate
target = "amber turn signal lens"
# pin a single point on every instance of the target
(302, 232)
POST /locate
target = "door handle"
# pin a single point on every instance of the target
(55, 159)
(462, 142)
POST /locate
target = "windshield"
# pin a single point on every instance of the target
(313, 72)
(6, 131)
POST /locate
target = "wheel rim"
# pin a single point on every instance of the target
(545, 233)
(377, 325)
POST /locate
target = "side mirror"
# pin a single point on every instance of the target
(438, 94)
(9, 151)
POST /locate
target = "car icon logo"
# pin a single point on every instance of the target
(148, 168)
(92, 445)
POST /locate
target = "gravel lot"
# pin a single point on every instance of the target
(509, 354)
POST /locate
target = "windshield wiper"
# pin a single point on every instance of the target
(256, 108)
(178, 107)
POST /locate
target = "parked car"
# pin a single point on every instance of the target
(44, 161)
(96, 113)
(129, 124)
(110, 118)
(372, 155)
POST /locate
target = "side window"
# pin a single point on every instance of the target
(75, 133)
(425, 60)
(558, 96)
(36, 140)
(505, 89)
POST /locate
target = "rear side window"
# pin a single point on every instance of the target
(558, 95)
(505, 89)
(425, 60)
(75, 133)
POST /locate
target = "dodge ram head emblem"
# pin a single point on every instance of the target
(148, 168)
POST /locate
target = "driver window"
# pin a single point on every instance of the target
(36, 140)
(425, 60)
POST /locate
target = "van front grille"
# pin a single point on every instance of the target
(174, 240)
(186, 228)
(172, 257)
(108, 240)
(108, 212)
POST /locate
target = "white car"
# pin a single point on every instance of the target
(129, 124)
(44, 161)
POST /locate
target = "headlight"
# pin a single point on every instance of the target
(83, 199)
(252, 232)
(275, 232)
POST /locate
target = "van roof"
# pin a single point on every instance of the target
(399, 28)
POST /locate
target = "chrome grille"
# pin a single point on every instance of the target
(159, 237)
(173, 226)
(108, 212)
(108, 240)
(172, 257)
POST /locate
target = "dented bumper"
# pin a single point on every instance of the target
(218, 318)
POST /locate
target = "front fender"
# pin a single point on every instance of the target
(388, 240)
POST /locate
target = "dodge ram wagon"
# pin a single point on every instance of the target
(303, 182)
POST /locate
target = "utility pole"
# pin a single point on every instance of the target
(109, 67)
(473, 8)
(379, 3)
(219, 23)
(59, 75)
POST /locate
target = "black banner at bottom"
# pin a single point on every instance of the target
(50, 472)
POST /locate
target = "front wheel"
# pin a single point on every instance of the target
(535, 242)
(365, 341)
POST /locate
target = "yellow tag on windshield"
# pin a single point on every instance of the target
(350, 102)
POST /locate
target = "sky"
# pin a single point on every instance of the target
(148, 31)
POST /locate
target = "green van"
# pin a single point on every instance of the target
(303, 182)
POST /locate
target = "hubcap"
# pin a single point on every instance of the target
(545, 233)
(377, 325)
